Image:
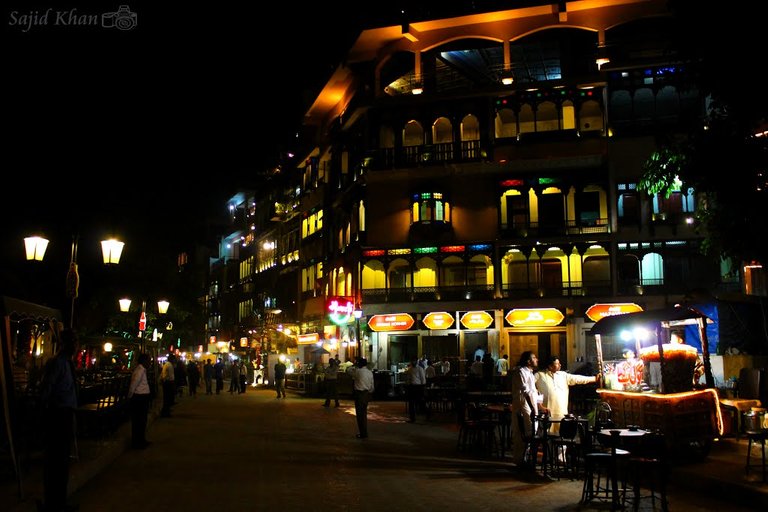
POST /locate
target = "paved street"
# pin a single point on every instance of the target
(254, 452)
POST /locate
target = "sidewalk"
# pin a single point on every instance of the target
(721, 476)
(723, 473)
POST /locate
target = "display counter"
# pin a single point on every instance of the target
(688, 418)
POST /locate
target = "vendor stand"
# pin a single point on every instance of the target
(656, 384)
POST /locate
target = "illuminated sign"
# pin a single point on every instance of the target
(597, 312)
(544, 317)
(212, 339)
(244, 341)
(441, 320)
(397, 322)
(308, 339)
(340, 310)
(476, 320)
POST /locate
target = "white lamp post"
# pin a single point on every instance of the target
(358, 313)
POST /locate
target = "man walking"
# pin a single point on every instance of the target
(280, 378)
(331, 373)
(362, 379)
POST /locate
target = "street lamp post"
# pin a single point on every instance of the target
(111, 250)
(358, 313)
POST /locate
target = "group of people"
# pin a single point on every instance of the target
(533, 392)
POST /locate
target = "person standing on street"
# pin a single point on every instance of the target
(524, 404)
(208, 376)
(280, 378)
(331, 373)
(416, 381)
(168, 380)
(553, 384)
(139, 396)
(59, 398)
(362, 379)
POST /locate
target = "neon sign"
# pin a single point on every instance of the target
(340, 310)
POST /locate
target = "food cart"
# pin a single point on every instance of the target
(656, 384)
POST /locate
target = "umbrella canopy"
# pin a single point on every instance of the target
(673, 316)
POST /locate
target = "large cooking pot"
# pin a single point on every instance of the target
(756, 419)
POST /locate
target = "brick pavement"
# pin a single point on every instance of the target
(225, 450)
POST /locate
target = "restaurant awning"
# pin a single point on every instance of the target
(19, 309)
(668, 317)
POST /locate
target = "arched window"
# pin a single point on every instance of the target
(667, 103)
(590, 116)
(399, 274)
(361, 216)
(551, 209)
(514, 209)
(430, 207)
(628, 208)
(547, 119)
(514, 271)
(386, 137)
(470, 128)
(652, 269)
(480, 271)
(506, 124)
(596, 266)
(526, 119)
(373, 275)
(621, 107)
(341, 282)
(628, 270)
(426, 273)
(452, 272)
(643, 104)
(413, 134)
(442, 131)
(568, 116)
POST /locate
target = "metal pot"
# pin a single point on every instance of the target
(755, 419)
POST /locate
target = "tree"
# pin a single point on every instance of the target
(725, 159)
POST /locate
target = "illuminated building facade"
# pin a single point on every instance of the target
(473, 181)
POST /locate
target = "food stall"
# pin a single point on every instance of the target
(656, 384)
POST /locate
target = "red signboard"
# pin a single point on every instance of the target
(476, 320)
(143, 322)
(597, 312)
(441, 320)
(306, 339)
(541, 317)
(397, 322)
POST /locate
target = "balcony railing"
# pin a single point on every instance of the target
(428, 293)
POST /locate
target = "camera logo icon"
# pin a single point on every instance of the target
(123, 19)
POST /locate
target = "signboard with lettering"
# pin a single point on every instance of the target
(340, 310)
(438, 320)
(244, 342)
(476, 320)
(308, 339)
(534, 317)
(396, 322)
(597, 312)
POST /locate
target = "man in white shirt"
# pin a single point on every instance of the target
(502, 365)
(553, 384)
(524, 404)
(362, 379)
